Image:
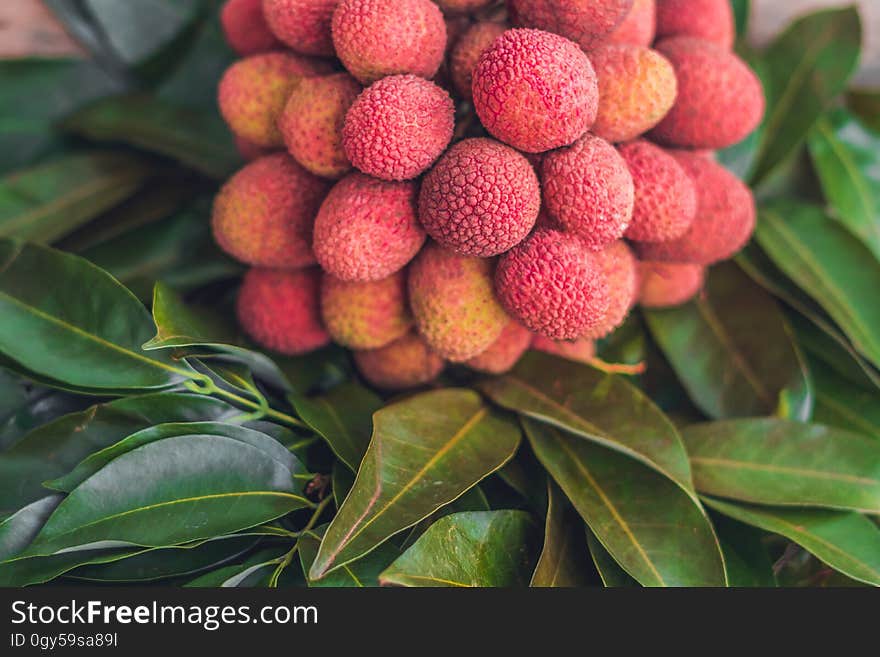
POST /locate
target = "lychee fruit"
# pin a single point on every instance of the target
(588, 189)
(637, 88)
(503, 354)
(453, 302)
(367, 229)
(405, 363)
(720, 99)
(585, 22)
(725, 217)
(254, 90)
(665, 284)
(711, 20)
(312, 121)
(482, 198)
(553, 285)
(398, 127)
(264, 214)
(666, 198)
(535, 91)
(582, 350)
(463, 6)
(621, 271)
(303, 25)
(467, 51)
(279, 309)
(365, 315)
(245, 27)
(378, 38)
(639, 27)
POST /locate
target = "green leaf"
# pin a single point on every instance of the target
(54, 449)
(470, 549)
(840, 403)
(656, 531)
(66, 319)
(343, 417)
(26, 571)
(196, 139)
(612, 575)
(804, 70)
(253, 572)
(733, 350)
(361, 573)
(563, 561)
(865, 103)
(597, 406)
(741, 11)
(847, 160)
(50, 200)
(830, 265)
(19, 529)
(425, 452)
(746, 557)
(169, 562)
(846, 541)
(99, 460)
(219, 484)
(36, 92)
(780, 462)
(342, 480)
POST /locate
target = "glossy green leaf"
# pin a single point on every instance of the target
(358, 574)
(846, 541)
(597, 406)
(847, 160)
(222, 485)
(780, 462)
(425, 452)
(830, 265)
(26, 571)
(612, 575)
(470, 549)
(26, 405)
(746, 557)
(653, 529)
(342, 480)
(19, 529)
(254, 571)
(95, 462)
(564, 558)
(54, 449)
(48, 201)
(343, 417)
(733, 350)
(196, 139)
(66, 319)
(840, 403)
(34, 93)
(804, 70)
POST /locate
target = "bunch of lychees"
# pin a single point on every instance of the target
(474, 178)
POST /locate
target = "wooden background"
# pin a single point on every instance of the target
(27, 27)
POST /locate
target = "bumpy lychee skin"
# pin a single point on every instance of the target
(503, 354)
(665, 285)
(467, 51)
(377, 38)
(367, 229)
(711, 20)
(639, 27)
(724, 222)
(553, 285)
(453, 302)
(312, 121)
(582, 350)
(263, 215)
(535, 91)
(279, 309)
(398, 127)
(253, 92)
(481, 199)
(303, 25)
(621, 270)
(637, 88)
(463, 6)
(585, 22)
(365, 315)
(405, 363)
(666, 198)
(245, 27)
(720, 99)
(588, 189)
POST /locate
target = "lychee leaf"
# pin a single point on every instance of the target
(564, 560)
